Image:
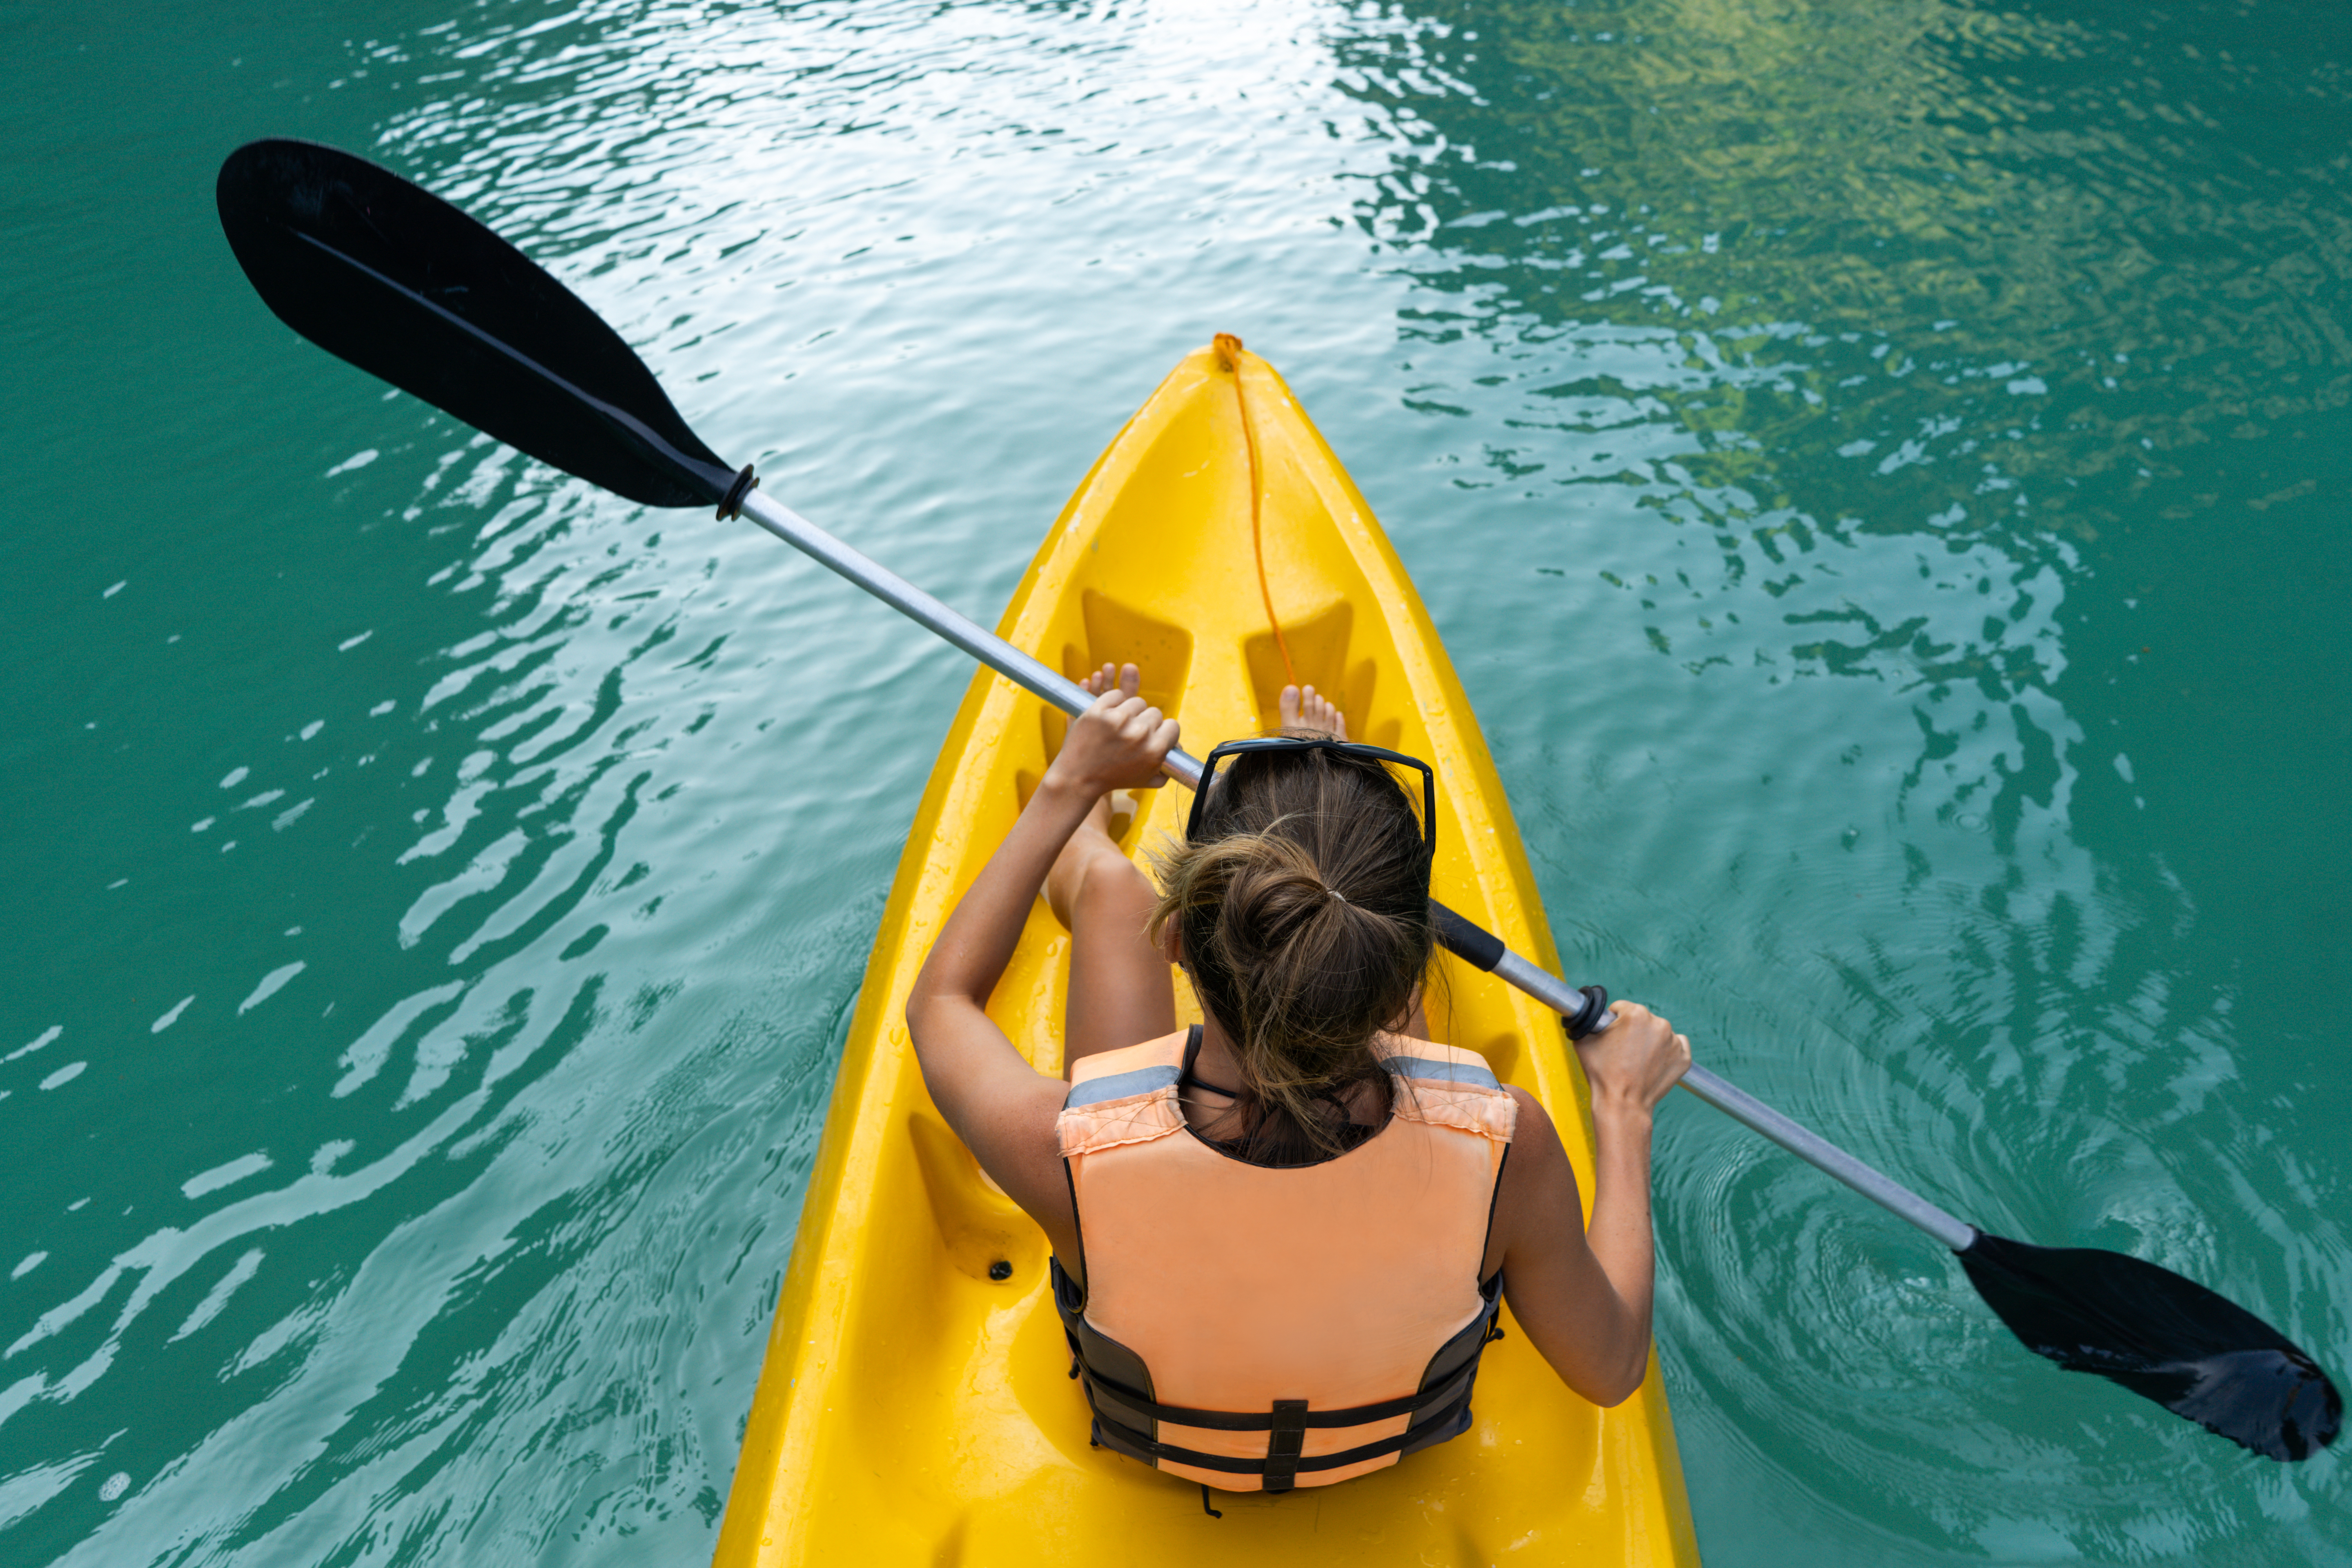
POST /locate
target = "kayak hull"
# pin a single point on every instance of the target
(914, 1408)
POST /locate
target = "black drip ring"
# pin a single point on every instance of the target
(730, 505)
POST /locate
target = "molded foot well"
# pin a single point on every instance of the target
(1119, 632)
(1318, 652)
(978, 1226)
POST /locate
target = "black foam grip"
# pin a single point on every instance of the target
(1475, 945)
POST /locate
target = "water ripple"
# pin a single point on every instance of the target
(1911, 430)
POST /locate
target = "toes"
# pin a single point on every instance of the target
(1316, 712)
(1130, 680)
(1302, 708)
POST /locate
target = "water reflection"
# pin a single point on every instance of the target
(1848, 362)
(579, 833)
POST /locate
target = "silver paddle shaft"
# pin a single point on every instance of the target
(1752, 1113)
(1031, 675)
(1042, 681)
(1823, 1155)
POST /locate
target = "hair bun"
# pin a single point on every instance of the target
(1301, 996)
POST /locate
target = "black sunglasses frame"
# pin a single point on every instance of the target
(1346, 748)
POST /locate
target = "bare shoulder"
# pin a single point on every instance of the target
(1537, 1182)
(1535, 1124)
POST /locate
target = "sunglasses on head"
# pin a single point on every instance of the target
(1344, 748)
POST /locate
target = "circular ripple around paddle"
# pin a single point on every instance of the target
(1827, 1341)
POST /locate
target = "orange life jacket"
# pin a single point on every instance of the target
(1254, 1327)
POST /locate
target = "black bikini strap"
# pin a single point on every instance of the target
(1188, 1077)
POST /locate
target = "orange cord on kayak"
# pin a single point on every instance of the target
(1229, 358)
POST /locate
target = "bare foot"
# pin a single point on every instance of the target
(1303, 710)
(1094, 836)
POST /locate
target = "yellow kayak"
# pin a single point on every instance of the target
(915, 1404)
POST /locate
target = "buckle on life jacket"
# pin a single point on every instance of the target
(1284, 1446)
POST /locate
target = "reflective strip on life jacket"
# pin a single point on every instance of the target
(1252, 1328)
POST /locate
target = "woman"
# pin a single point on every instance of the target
(1279, 1237)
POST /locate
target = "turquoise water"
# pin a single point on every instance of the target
(1880, 469)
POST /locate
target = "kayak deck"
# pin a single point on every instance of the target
(914, 1408)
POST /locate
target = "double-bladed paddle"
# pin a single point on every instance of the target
(384, 274)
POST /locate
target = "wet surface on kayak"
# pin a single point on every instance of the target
(1879, 471)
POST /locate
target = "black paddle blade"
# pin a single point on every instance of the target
(392, 278)
(2163, 1337)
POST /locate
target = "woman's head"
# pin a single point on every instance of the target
(1303, 909)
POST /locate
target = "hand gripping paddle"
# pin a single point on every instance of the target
(408, 288)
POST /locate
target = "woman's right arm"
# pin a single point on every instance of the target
(1583, 1293)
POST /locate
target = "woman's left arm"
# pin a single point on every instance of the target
(997, 1103)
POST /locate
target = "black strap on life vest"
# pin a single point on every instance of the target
(1286, 1426)
(1287, 1414)
(1127, 1417)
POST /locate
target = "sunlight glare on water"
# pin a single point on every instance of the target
(1879, 470)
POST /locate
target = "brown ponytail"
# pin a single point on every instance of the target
(1304, 909)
